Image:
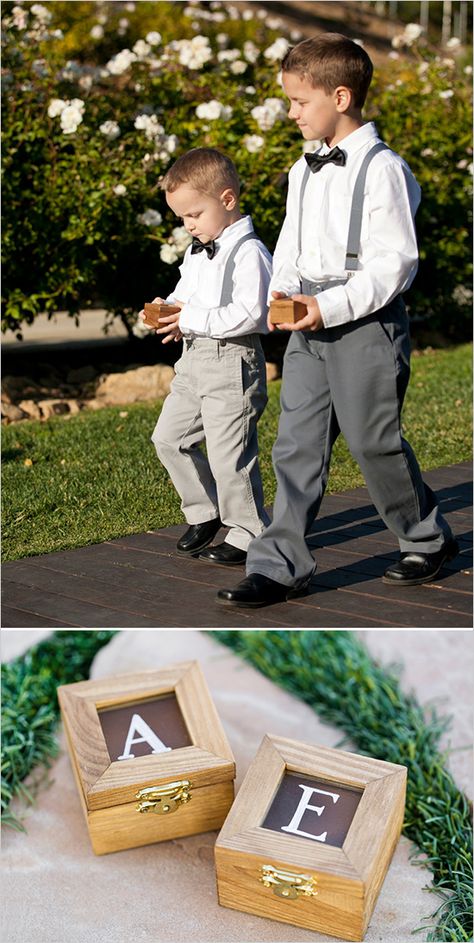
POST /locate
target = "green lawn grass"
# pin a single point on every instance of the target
(68, 483)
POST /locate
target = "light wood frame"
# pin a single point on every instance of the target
(104, 783)
(372, 833)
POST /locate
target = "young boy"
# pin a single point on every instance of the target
(219, 391)
(347, 250)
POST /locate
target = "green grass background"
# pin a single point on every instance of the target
(95, 476)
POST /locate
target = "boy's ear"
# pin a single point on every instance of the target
(343, 98)
(228, 199)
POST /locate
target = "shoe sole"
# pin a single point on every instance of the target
(234, 604)
(426, 579)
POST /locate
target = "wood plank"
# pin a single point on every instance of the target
(16, 618)
(69, 610)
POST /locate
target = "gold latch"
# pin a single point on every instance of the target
(164, 799)
(287, 884)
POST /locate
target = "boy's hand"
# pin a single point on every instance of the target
(276, 295)
(171, 323)
(141, 314)
(311, 322)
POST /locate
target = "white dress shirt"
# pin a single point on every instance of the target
(200, 287)
(388, 257)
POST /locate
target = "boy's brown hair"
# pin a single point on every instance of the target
(204, 169)
(330, 60)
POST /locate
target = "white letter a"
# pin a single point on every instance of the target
(147, 736)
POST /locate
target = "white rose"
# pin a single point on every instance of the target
(253, 142)
(153, 38)
(277, 50)
(141, 49)
(238, 67)
(228, 55)
(41, 13)
(453, 43)
(120, 189)
(150, 218)
(121, 62)
(446, 94)
(56, 107)
(19, 17)
(412, 32)
(71, 117)
(251, 51)
(209, 110)
(97, 31)
(168, 254)
(110, 129)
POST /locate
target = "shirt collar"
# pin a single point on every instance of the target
(235, 230)
(355, 140)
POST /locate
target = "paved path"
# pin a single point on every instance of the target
(139, 581)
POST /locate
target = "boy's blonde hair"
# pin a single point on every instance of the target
(204, 169)
(330, 60)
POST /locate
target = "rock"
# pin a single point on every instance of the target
(134, 386)
(30, 407)
(13, 413)
(82, 374)
(57, 407)
(273, 372)
(14, 387)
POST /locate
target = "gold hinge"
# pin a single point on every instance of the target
(288, 884)
(164, 799)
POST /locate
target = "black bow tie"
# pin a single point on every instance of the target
(198, 246)
(316, 161)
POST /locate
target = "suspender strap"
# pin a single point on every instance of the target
(227, 280)
(300, 214)
(355, 221)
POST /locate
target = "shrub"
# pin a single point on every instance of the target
(91, 126)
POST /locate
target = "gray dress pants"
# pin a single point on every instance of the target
(350, 379)
(217, 396)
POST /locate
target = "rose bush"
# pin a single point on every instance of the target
(99, 98)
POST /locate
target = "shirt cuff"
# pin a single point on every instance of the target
(188, 322)
(334, 306)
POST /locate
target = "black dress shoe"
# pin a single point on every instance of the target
(413, 568)
(257, 590)
(198, 536)
(224, 555)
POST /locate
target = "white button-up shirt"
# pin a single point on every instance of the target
(200, 287)
(388, 257)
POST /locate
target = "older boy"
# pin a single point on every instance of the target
(219, 390)
(347, 250)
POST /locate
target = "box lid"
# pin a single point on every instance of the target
(107, 779)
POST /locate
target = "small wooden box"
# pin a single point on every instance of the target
(286, 311)
(149, 754)
(310, 836)
(153, 313)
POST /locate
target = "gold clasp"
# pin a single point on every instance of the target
(164, 799)
(287, 884)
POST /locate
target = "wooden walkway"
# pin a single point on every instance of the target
(139, 581)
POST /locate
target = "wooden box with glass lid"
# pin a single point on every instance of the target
(149, 754)
(310, 836)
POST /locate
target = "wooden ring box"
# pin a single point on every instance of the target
(286, 311)
(310, 836)
(149, 754)
(153, 313)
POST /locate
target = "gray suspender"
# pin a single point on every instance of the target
(227, 283)
(355, 221)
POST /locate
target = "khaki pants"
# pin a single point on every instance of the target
(216, 397)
